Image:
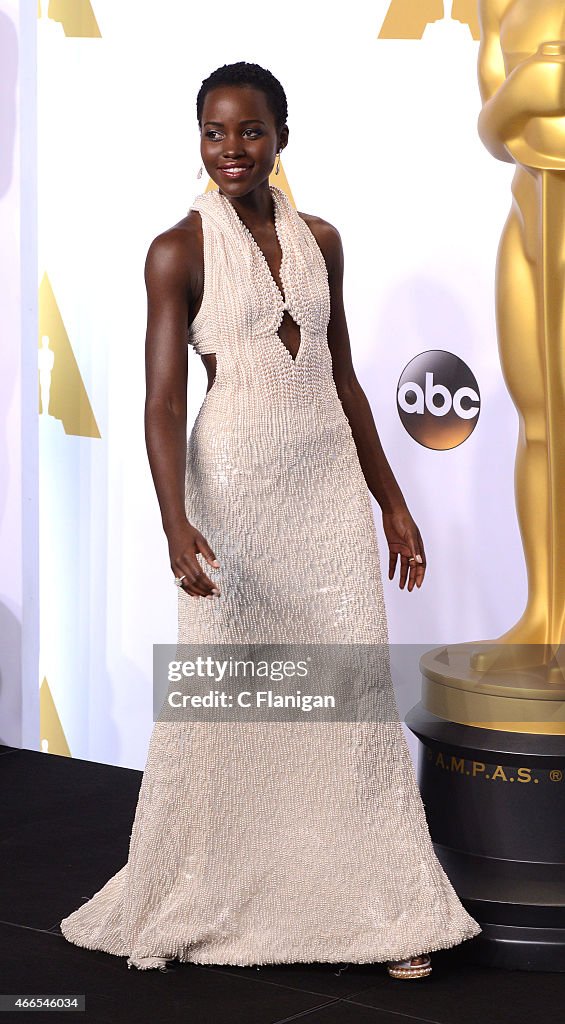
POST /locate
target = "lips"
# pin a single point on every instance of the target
(235, 170)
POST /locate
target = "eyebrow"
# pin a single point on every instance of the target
(250, 120)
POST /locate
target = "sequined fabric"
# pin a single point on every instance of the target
(269, 842)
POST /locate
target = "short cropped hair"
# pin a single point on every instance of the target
(253, 75)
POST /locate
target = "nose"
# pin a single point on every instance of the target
(233, 146)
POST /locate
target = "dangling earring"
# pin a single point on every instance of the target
(199, 175)
(278, 162)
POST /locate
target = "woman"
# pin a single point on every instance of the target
(272, 841)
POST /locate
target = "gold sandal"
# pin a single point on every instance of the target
(416, 967)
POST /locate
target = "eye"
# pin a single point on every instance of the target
(211, 132)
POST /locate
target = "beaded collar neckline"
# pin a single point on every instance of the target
(276, 193)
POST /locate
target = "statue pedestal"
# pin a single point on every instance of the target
(495, 804)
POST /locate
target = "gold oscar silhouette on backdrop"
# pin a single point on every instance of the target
(66, 393)
(522, 83)
(75, 16)
(408, 19)
(51, 733)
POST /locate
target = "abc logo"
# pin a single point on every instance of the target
(438, 400)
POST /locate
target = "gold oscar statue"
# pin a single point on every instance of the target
(491, 718)
(522, 81)
(521, 674)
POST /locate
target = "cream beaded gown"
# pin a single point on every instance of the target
(276, 841)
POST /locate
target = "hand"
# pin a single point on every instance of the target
(184, 542)
(403, 537)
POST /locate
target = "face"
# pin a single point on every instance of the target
(238, 127)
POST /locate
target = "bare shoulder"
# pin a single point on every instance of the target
(176, 254)
(327, 237)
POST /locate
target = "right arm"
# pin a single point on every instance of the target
(493, 120)
(535, 88)
(168, 284)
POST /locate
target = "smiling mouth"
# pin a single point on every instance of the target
(234, 172)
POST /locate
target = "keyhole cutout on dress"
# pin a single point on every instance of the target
(288, 332)
(289, 335)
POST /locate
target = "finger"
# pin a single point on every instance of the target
(420, 570)
(392, 564)
(403, 571)
(420, 549)
(195, 582)
(413, 569)
(412, 559)
(200, 582)
(207, 552)
(188, 583)
(417, 569)
(421, 561)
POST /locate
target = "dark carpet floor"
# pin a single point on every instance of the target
(65, 830)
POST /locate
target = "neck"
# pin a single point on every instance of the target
(257, 207)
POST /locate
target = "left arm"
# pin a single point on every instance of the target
(402, 534)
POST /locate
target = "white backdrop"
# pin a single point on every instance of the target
(383, 144)
(19, 618)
